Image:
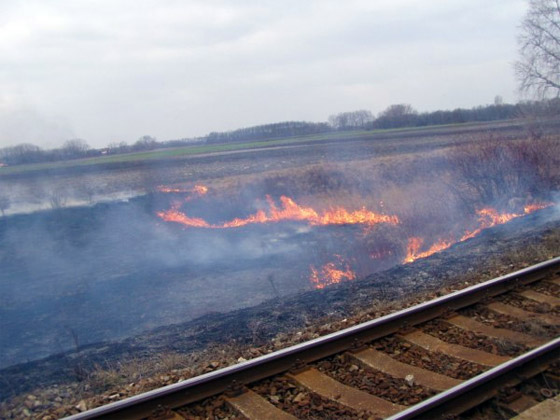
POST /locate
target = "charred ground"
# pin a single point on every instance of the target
(218, 339)
(80, 275)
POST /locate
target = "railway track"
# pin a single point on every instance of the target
(433, 360)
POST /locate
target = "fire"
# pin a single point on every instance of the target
(169, 190)
(487, 218)
(173, 213)
(339, 270)
(490, 217)
(413, 249)
(331, 273)
(288, 210)
(530, 208)
(200, 189)
(197, 190)
(178, 217)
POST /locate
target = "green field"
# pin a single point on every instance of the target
(191, 150)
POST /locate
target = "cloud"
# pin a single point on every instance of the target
(118, 70)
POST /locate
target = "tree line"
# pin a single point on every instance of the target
(268, 131)
(537, 70)
(394, 116)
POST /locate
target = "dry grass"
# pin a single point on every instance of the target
(500, 170)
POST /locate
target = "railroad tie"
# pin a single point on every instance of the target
(470, 324)
(540, 297)
(386, 364)
(432, 343)
(521, 404)
(548, 409)
(329, 388)
(522, 314)
(254, 407)
(555, 281)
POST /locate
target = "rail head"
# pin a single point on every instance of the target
(284, 359)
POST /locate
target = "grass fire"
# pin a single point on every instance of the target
(339, 269)
(188, 185)
(227, 234)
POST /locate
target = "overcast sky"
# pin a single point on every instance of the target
(111, 71)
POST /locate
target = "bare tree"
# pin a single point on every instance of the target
(398, 115)
(538, 69)
(74, 148)
(21, 153)
(145, 143)
(351, 120)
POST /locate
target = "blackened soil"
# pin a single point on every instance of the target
(499, 250)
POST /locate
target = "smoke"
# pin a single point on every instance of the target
(111, 270)
(24, 124)
(73, 275)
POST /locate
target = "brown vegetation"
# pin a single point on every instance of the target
(499, 171)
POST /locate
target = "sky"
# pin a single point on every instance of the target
(109, 71)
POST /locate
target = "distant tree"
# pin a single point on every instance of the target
(268, 131)
(351, 120)
(74, 148)
(4, 204)
(538, 68)
(399, 115)
(22, 153)
(121, 147)
(145, 143)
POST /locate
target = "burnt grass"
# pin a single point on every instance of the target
(496, 251)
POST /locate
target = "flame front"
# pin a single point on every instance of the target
(487, 218)
(413, 249)
(178, 217)
(331, 273)
(339, 270)
(530, 208)
(288, 210)
(197, 190)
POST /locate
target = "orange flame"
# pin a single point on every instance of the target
(197, 189)
(288, 210)
(179, 217)
(330, 273)
(200, 189)
(413, 249)
(530, 208)
(487, 218)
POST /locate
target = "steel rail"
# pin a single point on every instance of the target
(213, 383)
(482, 387)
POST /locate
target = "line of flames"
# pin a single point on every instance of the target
(197, 190)
(336, 272)
(288, 210)
(487, 217)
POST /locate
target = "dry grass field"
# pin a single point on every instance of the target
(270, 223)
